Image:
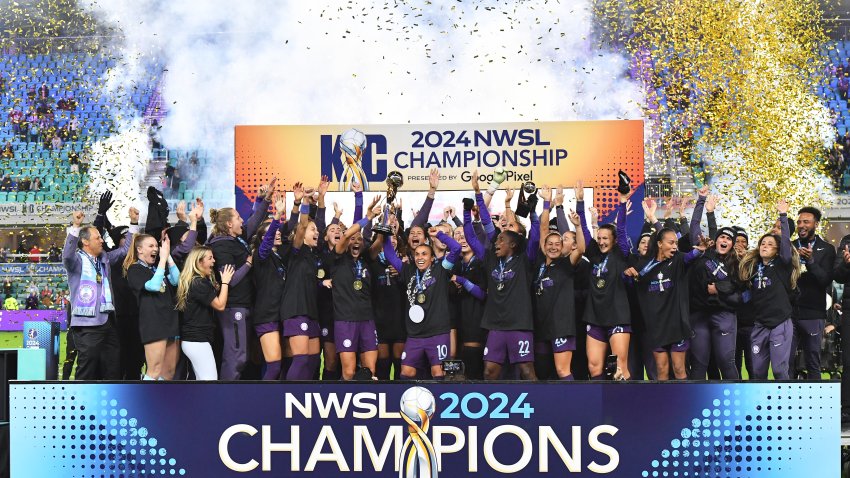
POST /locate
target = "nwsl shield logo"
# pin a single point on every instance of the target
(32, 333)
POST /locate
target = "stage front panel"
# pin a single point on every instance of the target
(356, 429)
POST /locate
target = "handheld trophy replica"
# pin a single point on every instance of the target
(394, 181)
(352, 144)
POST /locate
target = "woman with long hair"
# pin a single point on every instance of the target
(229, 243)
(771, 271)
(199, 296)
(153, 286)
(388, 302)
(607, 313)
(351, 282)
(298, 308)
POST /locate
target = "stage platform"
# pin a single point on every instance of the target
(628, 429)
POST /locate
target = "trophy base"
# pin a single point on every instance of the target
(382, 229)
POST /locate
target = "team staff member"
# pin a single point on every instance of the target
(428, 324)
(351, 283)
(772, 270)
(816, 260)
(229, 243)
(554, 294)
(92, 309)
(269, 275)
(508, 315)
(153, 285)
(199, 296)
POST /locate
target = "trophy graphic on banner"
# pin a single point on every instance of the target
(352, 144)
(394, 181)
(418, 458)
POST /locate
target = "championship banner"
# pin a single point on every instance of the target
(550, 153)
(412, 430)
(32, 269)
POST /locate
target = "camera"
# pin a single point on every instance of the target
(454, 370)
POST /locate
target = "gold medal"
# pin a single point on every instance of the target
(600, 283)
(99, 278)
(539, 291)
(320, 273)
(501, 286)
(162, 287)
(358, 284)
(420, 298)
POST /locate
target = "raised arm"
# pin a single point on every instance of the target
(622, 232)
(473, 289)
(649, 208)
(454, 250)
(424, 211)
(358, 202)
(710, 204)
(70, 258)
(301, 229)
(182, 249)
(696, 218)
(471, 239)
(258, 216)
(117, 255)
(268, 239)
(581, 246)
(533, 236)
(785, 246)
(390, 254)
(545, 194)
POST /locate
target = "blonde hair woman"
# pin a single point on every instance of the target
(771, 271)
(199, 296)
(152, 276)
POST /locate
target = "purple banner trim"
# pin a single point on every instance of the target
(13, 320)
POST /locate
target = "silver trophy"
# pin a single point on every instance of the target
(394, 181)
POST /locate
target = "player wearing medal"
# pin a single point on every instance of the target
(298, 307)
(270, 257)
(388, 299)
(745, 315)
(641, 359)
(554, 299)
(508, 315)
(816, 260)
(662, 291)
(470, 279)
(772, 271)
(351, 283)
(428, 324)
(607, 311)
(715, 297)
(154, 287)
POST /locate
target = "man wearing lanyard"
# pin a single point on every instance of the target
(816, 261)
(92, 303)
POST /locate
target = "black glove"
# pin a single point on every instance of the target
(468, 204)
(105, 203)
(532, 201)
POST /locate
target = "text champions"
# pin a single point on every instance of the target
(355, 432)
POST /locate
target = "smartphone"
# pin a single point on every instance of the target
(610, 367)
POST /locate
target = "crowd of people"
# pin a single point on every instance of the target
(273, 296)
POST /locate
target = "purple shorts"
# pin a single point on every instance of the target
(561, 344)
(327, 334)
(435, 349)
(512, 346)
(300, 325)
(602, 334)
(355, 337)
(267, 328)
(682, 346)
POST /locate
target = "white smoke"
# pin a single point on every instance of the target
(270, 62)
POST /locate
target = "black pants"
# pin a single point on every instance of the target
(98, 352)
(844, 328)
(132, 350)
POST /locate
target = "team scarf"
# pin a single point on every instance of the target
(87, 292)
